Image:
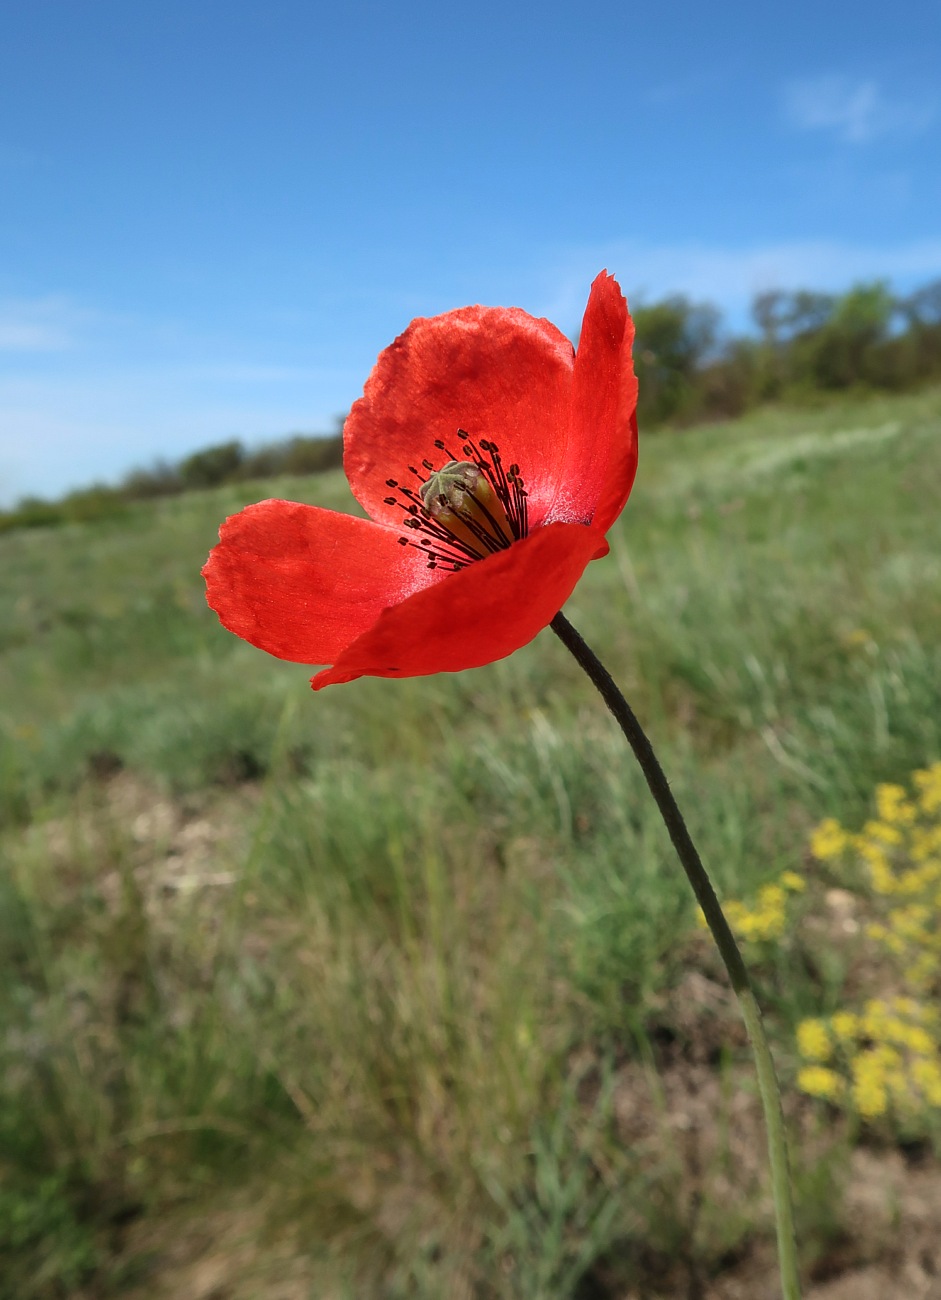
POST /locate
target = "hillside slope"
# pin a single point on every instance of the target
(396, 990)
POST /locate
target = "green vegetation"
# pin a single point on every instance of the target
(881, 1056)
(808, 347)
(227, 462)
(397, 990)
(807, 344)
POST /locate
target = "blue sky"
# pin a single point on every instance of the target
(214, 215)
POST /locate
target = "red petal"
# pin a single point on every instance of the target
(495, 372)
(474, 616)
(302, 583)
(601, 451)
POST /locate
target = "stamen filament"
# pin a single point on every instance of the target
(468, 509)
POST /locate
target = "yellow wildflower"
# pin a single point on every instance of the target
(771, 897)
(792, 881)
(928, 782)
(882, 833)
(926, 1073)
(869, 1091)
(818, 1081)
(813, 1041)
(893, 805)
(845, 1025)
(829, 840)
(918, 1040)
(906, 1006)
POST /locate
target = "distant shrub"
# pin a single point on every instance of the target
(804, 342)
(32, 512)
(314, 455)
(97, 502)
(226, 462)
(300, 454)
(920, 344)
(673, 340)
(212, 466)
(160, 480)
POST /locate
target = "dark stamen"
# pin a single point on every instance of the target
(487, 531)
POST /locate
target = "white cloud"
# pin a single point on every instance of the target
(854, 111)
(730, 277)
(38, 324)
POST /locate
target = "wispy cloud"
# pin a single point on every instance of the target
(38, 324)
(730, 277)
(854, 111)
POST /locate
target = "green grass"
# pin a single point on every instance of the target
(394, 972)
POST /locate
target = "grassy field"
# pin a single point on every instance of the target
(396, 990)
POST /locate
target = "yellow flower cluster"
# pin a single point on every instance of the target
(829, 840)
(768, 918)
(901, 849)
(887, 1058)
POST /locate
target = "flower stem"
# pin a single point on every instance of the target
(725, 942)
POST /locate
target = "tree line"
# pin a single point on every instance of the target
(225, 462)
(690, 370)
(802, 343)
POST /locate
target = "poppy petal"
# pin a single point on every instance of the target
(474, 616)
(496, 373)
(601, 451)
(302, 583)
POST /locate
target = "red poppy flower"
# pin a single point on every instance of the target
(491, 459)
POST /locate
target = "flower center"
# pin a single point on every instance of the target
(464, 511)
